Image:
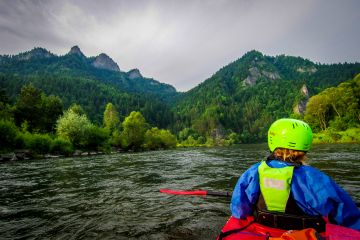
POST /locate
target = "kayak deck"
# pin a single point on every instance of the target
(253, 231)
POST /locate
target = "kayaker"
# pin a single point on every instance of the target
(285, 193)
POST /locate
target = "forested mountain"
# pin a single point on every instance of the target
(89, 81)
(247, 95)
(236, 104)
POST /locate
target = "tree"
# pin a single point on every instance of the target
(52, 108)
(8, 133)
(111, 118)
(133, 134)
(39, 111)
(73, 126)
(159, 139)
(5, 107)
(28, 107)
(96, 138)
(317, 110)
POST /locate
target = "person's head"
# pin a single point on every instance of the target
(289, 140)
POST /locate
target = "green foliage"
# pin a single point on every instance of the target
(96, 138)
(38, 143)
(335, 107)
(6, 111)
(227, 101)
(159, 139)
(73, 127)
(111, 119)
(189, 142)
(186, 132)
(52, 108)
(351, 135)
(74, 79)
(237, 104)
(61, 146)
(38, 110)
(28, 107)
(115, 139)
(8, 133)
(133, 134)
(233, 138)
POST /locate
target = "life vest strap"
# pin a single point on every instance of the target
(289, 221)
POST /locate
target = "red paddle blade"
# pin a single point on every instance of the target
(181, 192)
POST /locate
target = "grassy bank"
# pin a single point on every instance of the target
(351, 135)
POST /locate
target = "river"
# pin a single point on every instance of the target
(117, 196)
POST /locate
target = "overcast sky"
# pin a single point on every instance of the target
(183, 42)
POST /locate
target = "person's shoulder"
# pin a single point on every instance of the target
(253, 168)
(256, 164)
(311, 172)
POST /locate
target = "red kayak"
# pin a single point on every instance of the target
(237, 229)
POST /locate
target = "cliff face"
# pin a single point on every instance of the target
(103, 61)
(255, 74)
(300, 107)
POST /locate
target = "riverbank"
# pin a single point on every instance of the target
(20, 155)
(351, 135)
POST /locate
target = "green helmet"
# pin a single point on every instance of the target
(290, 133)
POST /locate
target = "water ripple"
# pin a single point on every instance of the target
(117, 196)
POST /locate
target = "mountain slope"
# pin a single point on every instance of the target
(250, 93)
(243, 97)
(92, 82)
(75, 64)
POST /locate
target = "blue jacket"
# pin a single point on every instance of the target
(314, 192)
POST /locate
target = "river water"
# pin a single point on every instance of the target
(117, 196)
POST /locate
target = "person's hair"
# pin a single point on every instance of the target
(289, 155)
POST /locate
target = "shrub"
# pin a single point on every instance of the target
(96, 139)
(351, 135)
(39, 143)
(62, 146)
(8, 133)
(159, 139)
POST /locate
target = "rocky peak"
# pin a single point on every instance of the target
(76, 51)
(134, 73)
(35, 53)
(103, 61)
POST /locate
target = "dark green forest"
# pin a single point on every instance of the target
(63, 103)
(246, 96)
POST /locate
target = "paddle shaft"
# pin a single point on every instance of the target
(219, 194)
(205, 193)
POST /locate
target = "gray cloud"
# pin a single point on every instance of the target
(183, 42)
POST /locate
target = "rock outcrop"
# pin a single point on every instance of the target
(103, 61)
(255, 74)
(35, 53)
(76, 51)
(309, 70)
(134, 73)
(300, 107)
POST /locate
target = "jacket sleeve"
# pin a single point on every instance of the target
(316, 193)
(245, 193)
